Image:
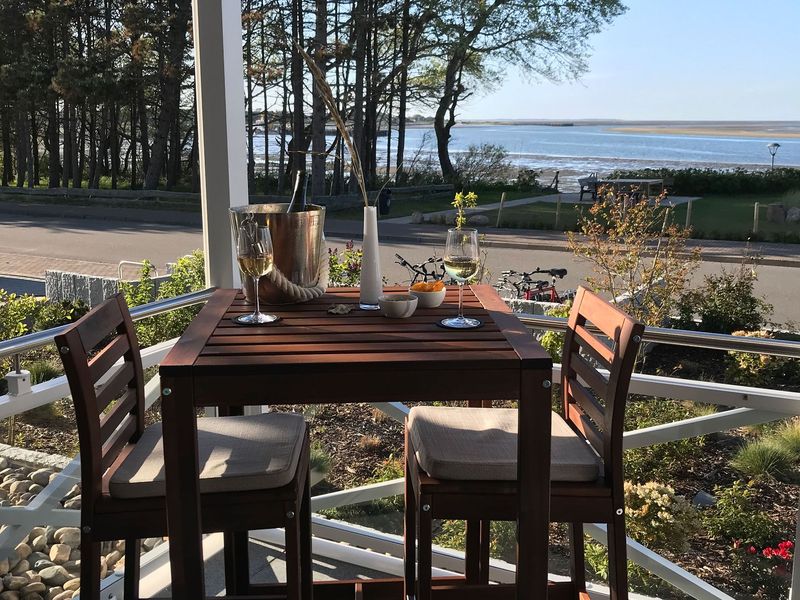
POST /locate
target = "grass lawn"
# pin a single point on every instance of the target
(540, 215)
(404, 206)
(713, 217)
(731, 217)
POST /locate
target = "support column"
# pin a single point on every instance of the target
(221, 130)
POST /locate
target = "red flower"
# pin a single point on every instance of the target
(751, 550)
(767, 552)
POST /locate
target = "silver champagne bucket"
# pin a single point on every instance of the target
(298, 244)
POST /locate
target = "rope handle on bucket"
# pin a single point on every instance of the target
(298, 293)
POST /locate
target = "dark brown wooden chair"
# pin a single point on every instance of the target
(461, 463)
(253, 470)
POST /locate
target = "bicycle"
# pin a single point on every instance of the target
(430, 270)
(521, 285)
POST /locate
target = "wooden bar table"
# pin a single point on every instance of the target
(312, 357)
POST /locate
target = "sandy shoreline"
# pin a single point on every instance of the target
(710, 131)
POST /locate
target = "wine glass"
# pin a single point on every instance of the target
(254, 253)
(461, 258)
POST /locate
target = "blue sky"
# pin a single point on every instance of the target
(672, 60)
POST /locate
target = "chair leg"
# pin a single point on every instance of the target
(306, 560)
(617, 559)
(472, 552)
(90, 568)
(131, 583)
(409, 538)
(425, 551)
(477, 552)
(292, 546)
(483, 578)
(237, 562)
(577, 561)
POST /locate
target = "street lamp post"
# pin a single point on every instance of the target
(773, 148)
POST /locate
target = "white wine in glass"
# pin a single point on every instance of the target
(254, 254)
(461, 261)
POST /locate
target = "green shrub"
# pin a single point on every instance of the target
(187, 276)
(763, 458)
(659, 461)
(699, 182)
(319, 460)
(553, 341)
(745, 368)
(656, 517)
(344, 268)
(788, 437)
(724, 303)
(502, 540)
(49, 314)
(42, 371)
(735, 517)
(483, 165)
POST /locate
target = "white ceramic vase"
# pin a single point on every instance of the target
(371, 282)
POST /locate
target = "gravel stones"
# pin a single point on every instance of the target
(55, 575)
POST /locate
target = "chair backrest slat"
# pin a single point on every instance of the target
(593, 403)
(90, 354)
(112, 419)
(593, 378)
(100, 364)
(589, 430)
(121, 379)
(586, 400)
(118, 439)
(596, 348)
(103, 322)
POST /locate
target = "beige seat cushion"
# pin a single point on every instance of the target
(236, 454)
(481, 444)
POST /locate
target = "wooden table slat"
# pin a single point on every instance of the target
(407, 346)
(441, 335)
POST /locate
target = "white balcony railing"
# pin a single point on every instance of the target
(751, 406)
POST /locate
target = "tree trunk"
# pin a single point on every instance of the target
(359, 55)
(23, 141)
(298, 118)
(8, 168)
(171, 90)
(318, 145)
(54, 162)
(445, 116)
(400, 175)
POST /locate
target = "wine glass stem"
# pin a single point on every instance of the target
(461, 300)
(255, 291)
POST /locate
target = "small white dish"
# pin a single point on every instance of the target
(397, 306)
(429, 299)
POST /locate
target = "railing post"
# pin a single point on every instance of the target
(221, 130)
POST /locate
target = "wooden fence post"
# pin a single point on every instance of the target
(500, 210)
(689, 214)
(558, 211)
(755, 217)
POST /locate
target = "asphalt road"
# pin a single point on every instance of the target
(30, 245)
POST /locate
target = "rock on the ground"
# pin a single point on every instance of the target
(68, 535)
(20, 567)
(41, 476)
(703, 498)
(4, 566)
(478, 220)
(793, 215)
(36, 587)
(9, 595)
(72, 584)
(39, 543)
(59, 553)
(23, 550)
(113, 558)
(42, 564)
(54, 591)
(417, 217)
(63, 596)
(56, 575)
(14, 582)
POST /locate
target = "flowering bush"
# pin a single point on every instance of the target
(657, 517)
(344, 268)
(462, 202)
(764, 572)
(745, 368)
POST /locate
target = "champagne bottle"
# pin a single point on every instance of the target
(298, 202)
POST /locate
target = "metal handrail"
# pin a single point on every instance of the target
(682, 337)
(31, 341)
